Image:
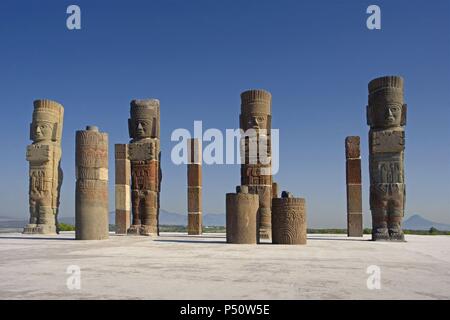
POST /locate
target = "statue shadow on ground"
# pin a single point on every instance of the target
(35, 238)
(338, 239)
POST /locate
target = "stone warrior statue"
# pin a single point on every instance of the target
(44, 156)
(144, 155)
(256, 167)
(386, 116)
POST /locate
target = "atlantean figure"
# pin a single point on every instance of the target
(256, 153)
(386, 116)
(144, 156)
(44, 156)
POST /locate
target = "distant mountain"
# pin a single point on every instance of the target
(417, 222)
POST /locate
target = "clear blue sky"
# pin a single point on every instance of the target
(315, 57)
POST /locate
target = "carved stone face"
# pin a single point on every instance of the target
(388, 114)
(42, 131)
(143, 128)
(255, 121)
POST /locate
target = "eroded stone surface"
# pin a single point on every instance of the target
(241, 216)
(91, 194)
(45, 174)
(289, 223)
(194, 189)
(354, 187)
(386, 116)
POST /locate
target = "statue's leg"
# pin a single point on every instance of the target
(30, 228)
(378, 206)
(46, 221)
(34, 213)
(149, 214)
(135, 207)
(395, 215)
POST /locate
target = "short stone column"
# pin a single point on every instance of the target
(194, 177)
(354, 198)
(91, 205)
(288, 220)
(122, 189)
(241, 216)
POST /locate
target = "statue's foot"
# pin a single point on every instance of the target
(396, 235)
(40, 229)
(380, 234)
(134, 230)
(146, 230)
(265, 234)
(30, 228)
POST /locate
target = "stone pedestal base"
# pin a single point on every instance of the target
(39, 229)
(194, 223)
(142, 230)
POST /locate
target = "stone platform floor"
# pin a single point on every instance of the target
(177, 266)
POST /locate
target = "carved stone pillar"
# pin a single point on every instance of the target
(386, 116)
(91, 200)
(44, 157)
(288, 220)
(144, 155)
(194, 176)
(122, 189)
(242, 216)
(256, 152)
(354, 198)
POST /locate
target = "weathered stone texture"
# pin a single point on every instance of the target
(289, 224)
(353, 175)
(45, 174)
(144, 154)
(194, 176)
(122, 189)
(386, 116)
(91, 204)
(256, 152)
(242, 217)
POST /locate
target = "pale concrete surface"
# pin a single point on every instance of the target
(177, 266)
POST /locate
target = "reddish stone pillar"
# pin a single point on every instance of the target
(194, 176)
(123, 196)
(353, 175)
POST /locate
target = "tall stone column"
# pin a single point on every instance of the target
(256, 152)
(44, 157)
(288, 220)
(145, 155)
(122, 189)
(241, 216)
(194, 175)
(354, 198)
(386, 116)
(91, 200)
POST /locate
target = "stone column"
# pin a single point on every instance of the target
(194, 173)
(91, 200)
(122, 189)
(288, 220)
(274, 190)
(256, 168)
(241, 216)
(386, 116)
(145, 155)
(44, 157)
(353, 174)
